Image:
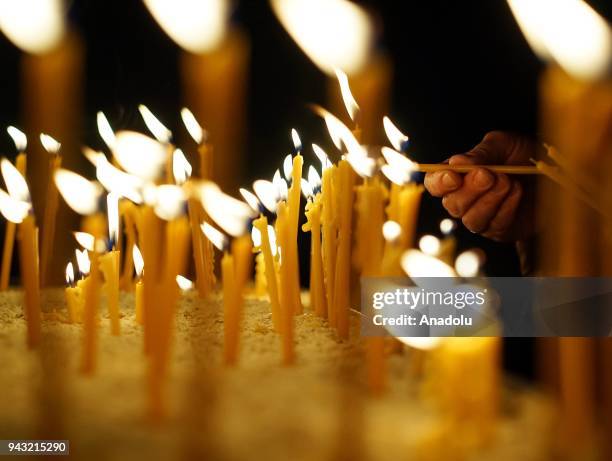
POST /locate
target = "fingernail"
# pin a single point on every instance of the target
(483, 178)
(449, 181)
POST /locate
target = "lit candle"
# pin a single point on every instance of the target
(20, 140)
(51, 202)
(200, 136)
(313, 225)
(109, 263)
(139, 294)
(287, 313)
(268, 251)
(16, 207)
(73, 295)
(293, 205)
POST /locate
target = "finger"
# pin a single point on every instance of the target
(442, 182)
(475, 184)
(480, 214)
(505, 216)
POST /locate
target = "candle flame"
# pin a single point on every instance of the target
(340, 133)
(168, 201)
(322, 156)
(15, 182)
(184, 283)
(363, 165)
(391, 231)
(13, 210)
(196, 26)
(297, 142)
(288, 166)
(568, 31)
(429, 245)
(69, 274)
(394, 175)
(332, 33)
(93, 156)
(447, 225)
(282, 191)
(157, 128)
(138, 261)
(83, 262)
(347, 96)
(80, 194)
(85, 240)
(194, 129)
(232, 215)
(35, 26)
(49, 143)
(468, 264)
(256, 237)
(181, 168)
(419, 265)
(398, 140)
(267, 193)
(112, 210)
(116, 181)
(214, 235)
(250, 198)
(313, 178)
(18, 137)
(106, 132)
(306, 188)
(398, 168)
(140, 155)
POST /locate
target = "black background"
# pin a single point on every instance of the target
(461, 69)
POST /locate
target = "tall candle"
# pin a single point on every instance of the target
(261, 224)
(28, 250)
(317, 288)
(109, 263)
(291, 252)
(329, 235)
(287, 312)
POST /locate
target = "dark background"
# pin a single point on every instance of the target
(461, 69)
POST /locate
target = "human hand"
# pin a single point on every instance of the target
(494, 205)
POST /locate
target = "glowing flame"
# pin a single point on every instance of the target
(340, 133)
(193, 127)
(306, 188)
(69, 274)
(18, 137)
(332, 33)
(196, 26)
(297, 142)
(85, 240)
(322, 156)
(313, 177)
(140, 155)
(35, 26)
(468, 263)
(181, 168)
(398, 168)
(168, 201)
(13, 210)
(112, 207)
(83, 262)
(106, 132)
(447, 225)
(568, 31)
(391, 231)
(417, 264)
(184, 283)
(349, 101)
(288, 166)
(230, 214)
(116, 181)
(214, 235)
(81, 195)
(398, 140)
(363, 165)
(282, 191)
(94, 157)
(251, 199)
(267, 194)
(15, 182)
(256, 237)
(157, 128)
(138, 261)
(49, 143)
(429, 245)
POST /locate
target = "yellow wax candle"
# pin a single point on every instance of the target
(127, 211)
(230, 318)
(109, 266)
(345, 192)
(73, 295)
(370, 212)
(28, 249)
(317, 288)
(329, 235)
(205, 154)
(261, 285)
(51, 204)
(291, 254)
(196, 242)
(287, 312)
(9, 236)
(408, 212)
(139, 302)
(261, 224)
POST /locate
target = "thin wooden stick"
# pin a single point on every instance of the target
(506, 169)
